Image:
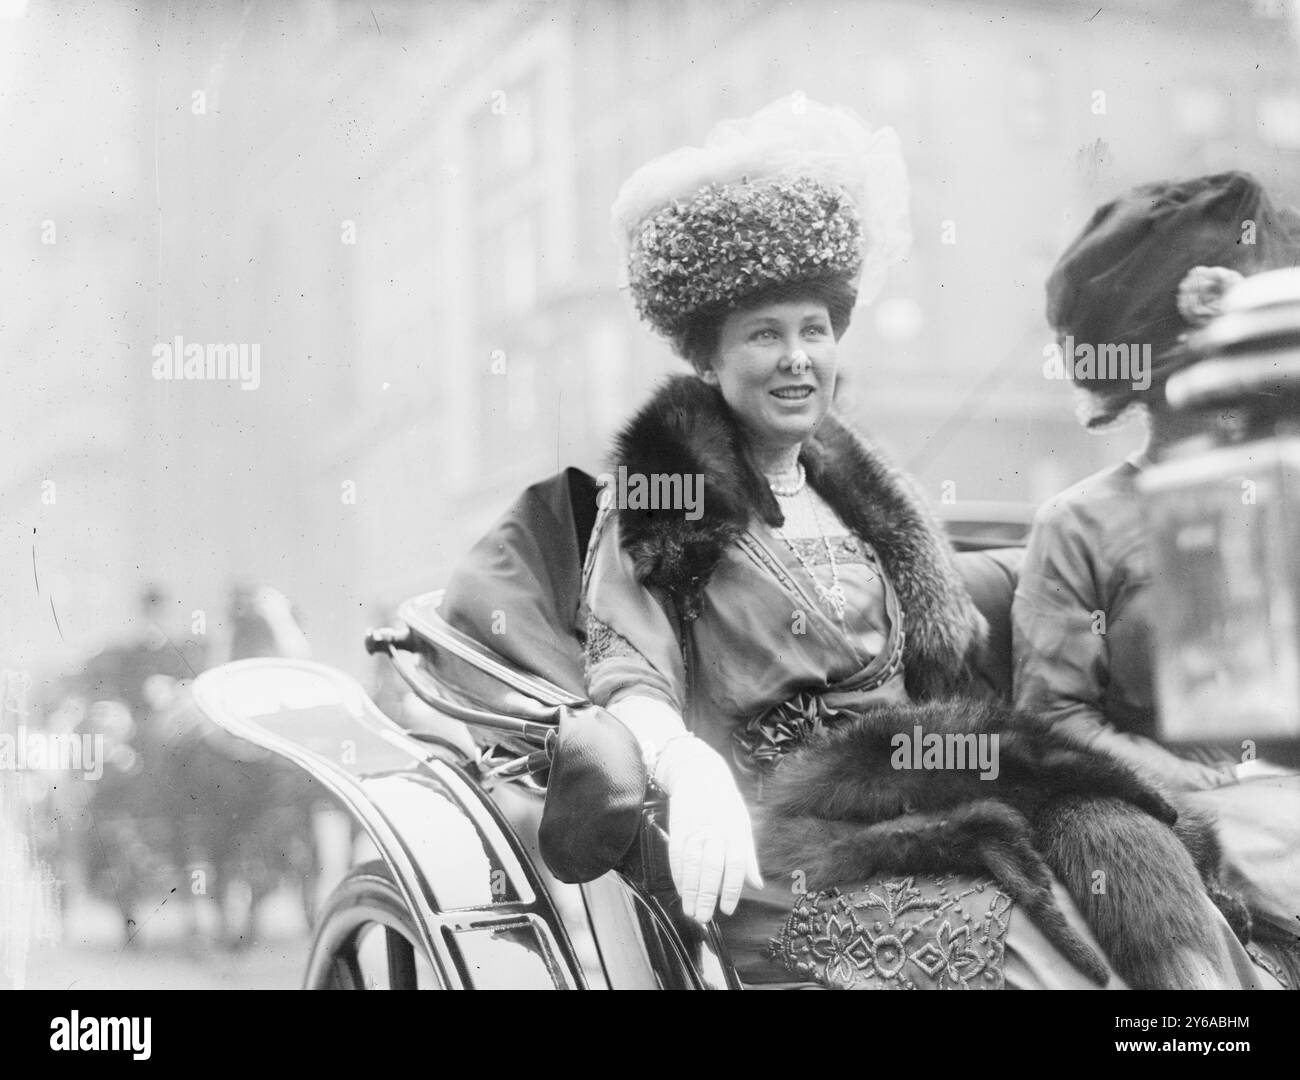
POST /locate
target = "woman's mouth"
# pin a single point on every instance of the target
(792, 393)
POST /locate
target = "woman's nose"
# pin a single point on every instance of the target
(796, 361)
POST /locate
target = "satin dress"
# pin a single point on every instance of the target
(764, 637)
(1088, 558)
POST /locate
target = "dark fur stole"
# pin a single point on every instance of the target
(839, 811)
(687, 428)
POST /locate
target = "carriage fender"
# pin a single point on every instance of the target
(450, 850)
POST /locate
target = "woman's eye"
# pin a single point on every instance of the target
(816, 330)
(765, 336)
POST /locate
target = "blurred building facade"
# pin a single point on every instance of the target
(406, 208)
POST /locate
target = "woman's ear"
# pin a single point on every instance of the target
(708, 375)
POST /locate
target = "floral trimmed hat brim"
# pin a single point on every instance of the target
(797, 191)
(733, 240)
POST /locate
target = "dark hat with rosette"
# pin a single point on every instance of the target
(1148, 268)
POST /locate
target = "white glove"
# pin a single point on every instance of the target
(710, 839)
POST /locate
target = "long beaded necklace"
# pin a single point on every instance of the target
(832, 595)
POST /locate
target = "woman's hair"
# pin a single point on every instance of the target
(698, 340)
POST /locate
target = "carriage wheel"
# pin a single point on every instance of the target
(367, 940)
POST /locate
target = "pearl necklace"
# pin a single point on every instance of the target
(832, 595)
(790, 492)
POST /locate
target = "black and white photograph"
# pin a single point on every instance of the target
(651, 495)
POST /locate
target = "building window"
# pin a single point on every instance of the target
(1279, 120)
(1202, 112)
(521, 395)
(1031, 107)
(517, 147)
(504, 135)
(519, 265)
(608, 364)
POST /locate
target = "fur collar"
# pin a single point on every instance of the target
(687, 428)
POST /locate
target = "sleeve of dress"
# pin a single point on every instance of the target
(633, 646)
(1061, 656)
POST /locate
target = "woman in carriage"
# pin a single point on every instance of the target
(784, 644)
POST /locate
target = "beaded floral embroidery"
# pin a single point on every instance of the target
(892, 935)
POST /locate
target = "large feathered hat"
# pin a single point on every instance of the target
(799, 191)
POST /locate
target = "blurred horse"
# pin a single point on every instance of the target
(121, 826)
(184, 811)
(245, 816)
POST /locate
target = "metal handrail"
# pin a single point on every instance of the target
(397, 645)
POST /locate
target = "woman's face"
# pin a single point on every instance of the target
(778, 404)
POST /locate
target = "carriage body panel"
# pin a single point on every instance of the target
(462, 870)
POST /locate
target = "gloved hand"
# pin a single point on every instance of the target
(710, 838)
